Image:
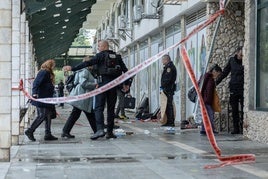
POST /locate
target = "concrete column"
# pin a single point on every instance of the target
(5, 79)
(23, 68)
(16, 65)
(183, 73)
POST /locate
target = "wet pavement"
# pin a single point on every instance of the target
(147, 151)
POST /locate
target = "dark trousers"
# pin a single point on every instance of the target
(108, 97)
(235, 100)
(74, 116)
(43, 114)
(121, 103)
(170, 109)
(61, 94)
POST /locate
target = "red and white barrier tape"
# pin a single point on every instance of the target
(227, 160)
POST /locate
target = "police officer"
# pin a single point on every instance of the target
(109, 66)
(236, 87)
(168, 86)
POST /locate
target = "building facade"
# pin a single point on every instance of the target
(142, 28)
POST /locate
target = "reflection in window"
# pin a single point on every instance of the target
(262, 56)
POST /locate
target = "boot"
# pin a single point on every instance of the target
(50, 137)
(99, 133)
(30, 135)
(110, 135)
(67, 135)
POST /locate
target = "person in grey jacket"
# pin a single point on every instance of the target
(84, 82)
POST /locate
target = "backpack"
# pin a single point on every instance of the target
(192, 94)
(70, 82)
(111, 65)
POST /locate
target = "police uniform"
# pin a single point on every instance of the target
(106, 73)
(168, 86)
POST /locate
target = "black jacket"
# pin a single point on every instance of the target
(99, 61)
(43, 87)
(168, 78)
(236, 84)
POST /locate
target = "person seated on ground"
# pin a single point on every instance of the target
(121, 93)
(208, 94)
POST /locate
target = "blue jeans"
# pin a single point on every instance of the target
(211, 117)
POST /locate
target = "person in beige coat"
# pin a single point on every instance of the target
(84, 82)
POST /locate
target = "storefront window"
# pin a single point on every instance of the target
(262, 56)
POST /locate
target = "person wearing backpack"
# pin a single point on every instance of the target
(109, 66)
(84, 82)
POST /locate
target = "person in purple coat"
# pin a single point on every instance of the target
(208, 94)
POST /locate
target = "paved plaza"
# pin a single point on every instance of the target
(147, 151)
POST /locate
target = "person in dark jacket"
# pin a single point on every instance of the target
(236, 87)
(61, 91)
(84, 82)
(109, 66)
(208, 94)
(168, 86)
(43, 87)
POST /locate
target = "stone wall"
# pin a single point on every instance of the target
(255, 122)
(229, 36)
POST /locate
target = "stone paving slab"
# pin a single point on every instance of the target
(149, 153)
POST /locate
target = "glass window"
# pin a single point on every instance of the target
(262, 56)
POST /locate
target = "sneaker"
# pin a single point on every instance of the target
(110, 136)
(30, 135)
(67, 135)
(50, 137)
(123, 117)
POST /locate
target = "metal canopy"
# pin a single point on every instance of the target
(54, 24)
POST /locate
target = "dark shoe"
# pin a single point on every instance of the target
(50, 137)
(235, 132)
(115, 126)
(116, 116)
(67, 135)
(30, 135)
(99, 133)
(215, 132)
(168, 125)
(110, 136)
(203, 133)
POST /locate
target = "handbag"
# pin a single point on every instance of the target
(216, 105)
(53, 113)
(129, 102)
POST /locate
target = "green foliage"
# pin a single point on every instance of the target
(82, 39)
(59, 75)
